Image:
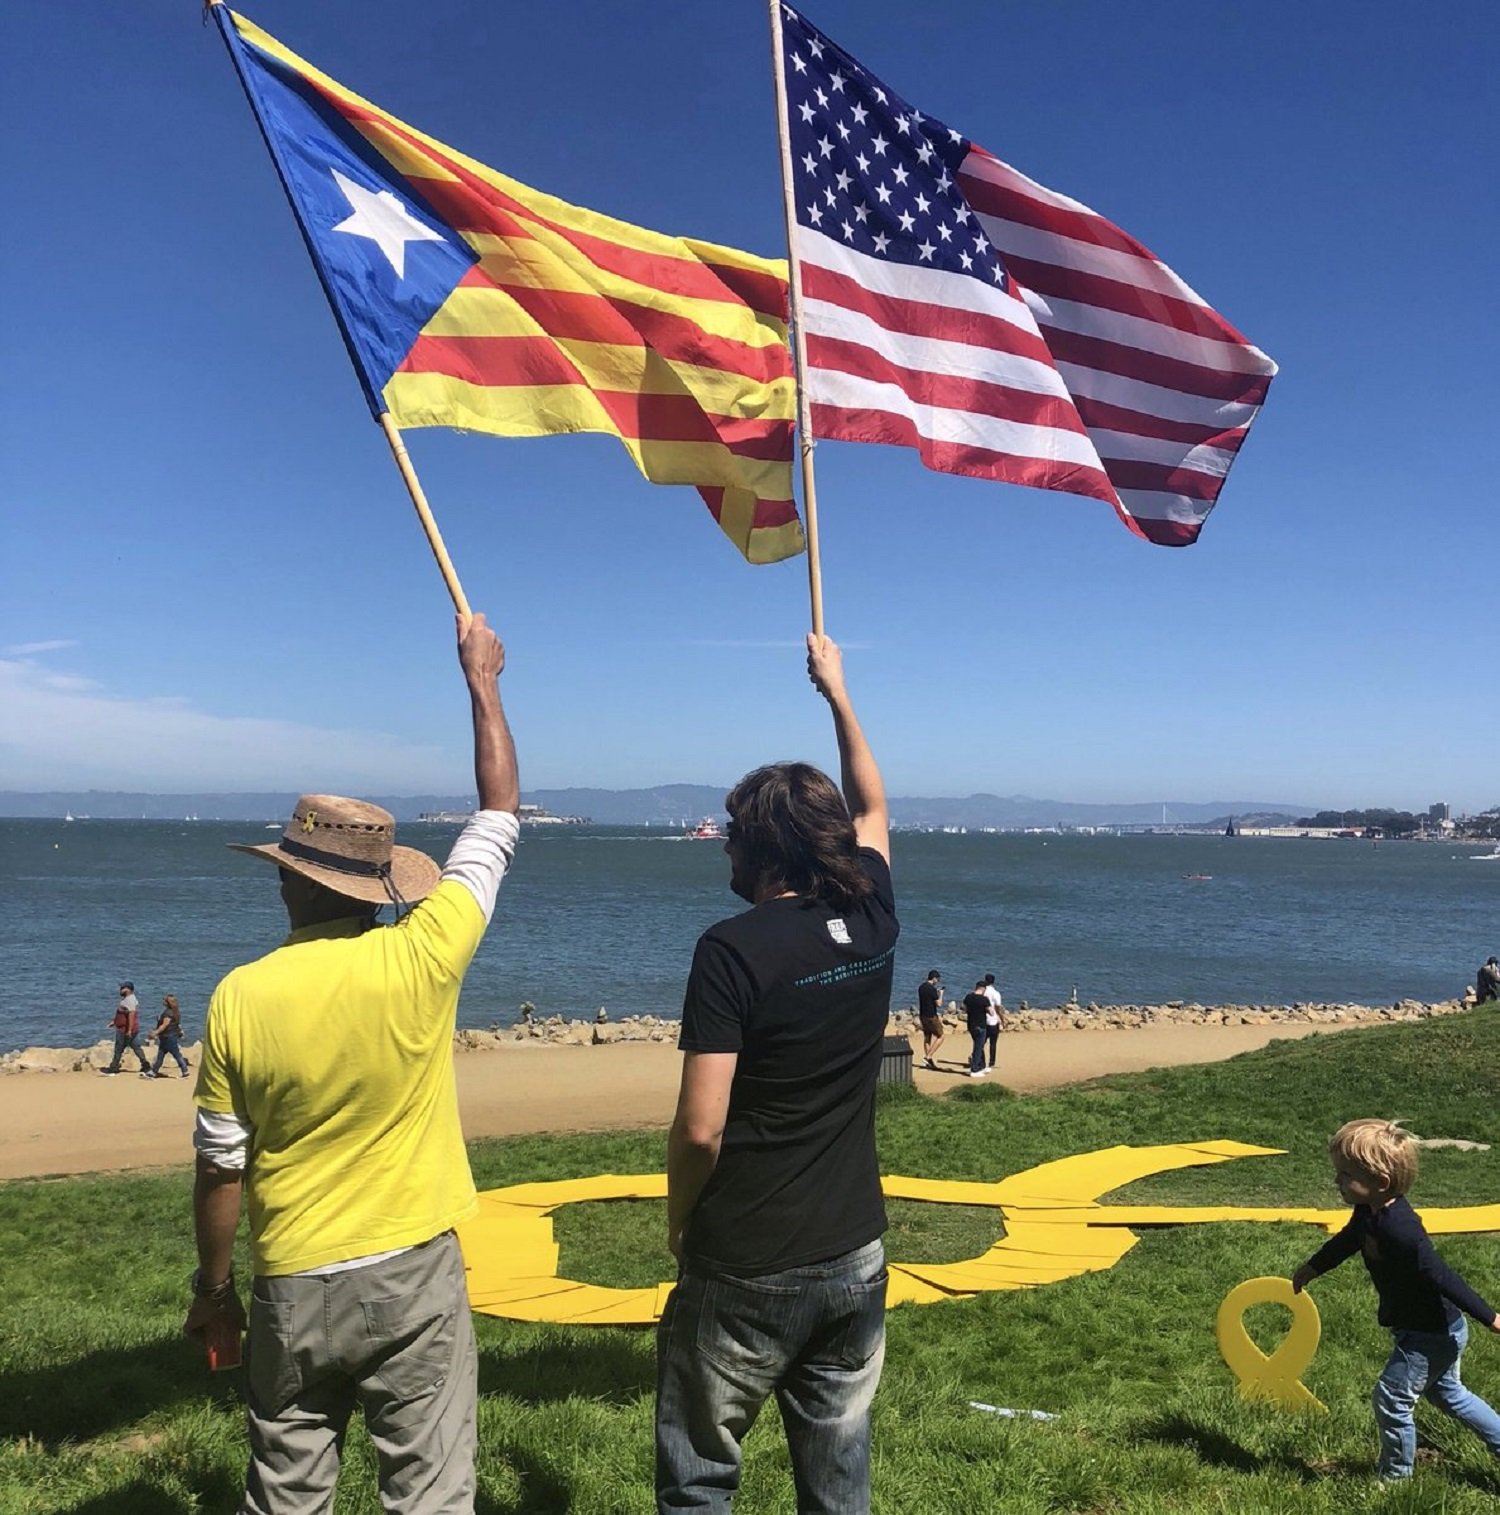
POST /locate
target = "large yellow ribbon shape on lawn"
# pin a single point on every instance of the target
(1055, 1228)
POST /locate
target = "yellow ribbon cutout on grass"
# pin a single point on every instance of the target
(1279, 1376)
(1054, 1228)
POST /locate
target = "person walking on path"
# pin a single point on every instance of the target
(929, 1014)
(977, 1019)
(1487, 984)
(127, 1028)
(774, 1207)
(168, 1038)
(1421, 1297)
(326, 1098)
(994, 1017)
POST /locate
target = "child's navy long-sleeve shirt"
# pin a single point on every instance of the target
(1418, 1290)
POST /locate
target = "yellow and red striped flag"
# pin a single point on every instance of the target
(467, 299)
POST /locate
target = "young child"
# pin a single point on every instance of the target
(1374, 1164)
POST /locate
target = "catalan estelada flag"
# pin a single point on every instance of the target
(468, 300)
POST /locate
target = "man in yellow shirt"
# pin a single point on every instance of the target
(326, 1098)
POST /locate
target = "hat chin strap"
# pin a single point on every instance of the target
(338, 863)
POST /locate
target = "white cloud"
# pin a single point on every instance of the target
(30, 649)
(62, 732)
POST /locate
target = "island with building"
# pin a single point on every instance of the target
(528, 815)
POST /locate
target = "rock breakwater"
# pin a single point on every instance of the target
(1093, 1017)
(559, 1031)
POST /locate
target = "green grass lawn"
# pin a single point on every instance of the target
(103, 1408)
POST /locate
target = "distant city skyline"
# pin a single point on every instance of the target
(676, 803)
(210, 577)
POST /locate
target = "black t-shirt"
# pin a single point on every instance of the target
(929, 998)
(802, 993)
(976, 1011)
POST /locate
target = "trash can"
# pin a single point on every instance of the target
(895, 1062)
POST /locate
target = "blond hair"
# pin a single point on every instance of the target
(1380, 1149)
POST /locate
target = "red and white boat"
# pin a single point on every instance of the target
(707, 830)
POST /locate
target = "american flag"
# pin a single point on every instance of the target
(951, 304)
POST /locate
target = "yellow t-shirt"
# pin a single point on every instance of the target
(337, 1049)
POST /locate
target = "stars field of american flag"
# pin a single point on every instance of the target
(953, 305)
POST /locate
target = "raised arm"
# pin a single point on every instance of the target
(864, 790)
(482, 658)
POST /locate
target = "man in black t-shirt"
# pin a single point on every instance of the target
(774, 1207)
(976, 1018)
(929, 1013)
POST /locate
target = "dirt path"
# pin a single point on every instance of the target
(53, 1123)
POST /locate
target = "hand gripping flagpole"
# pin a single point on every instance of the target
(387, 425)
(799, 340)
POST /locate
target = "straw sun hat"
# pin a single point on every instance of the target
(349, 846)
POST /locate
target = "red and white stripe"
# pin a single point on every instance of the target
(1099, 373)
(923, 358)
(1165, 386)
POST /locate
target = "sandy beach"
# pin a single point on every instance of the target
(67, 1123)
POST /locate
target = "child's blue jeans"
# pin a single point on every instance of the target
(1426, 1363)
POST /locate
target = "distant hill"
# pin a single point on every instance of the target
(662, 805)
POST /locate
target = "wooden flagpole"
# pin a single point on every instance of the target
(799, 340)
(424, 514)
(387, 425)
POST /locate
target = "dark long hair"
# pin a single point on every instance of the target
(791, 827)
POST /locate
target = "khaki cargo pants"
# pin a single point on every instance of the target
(397, 1338)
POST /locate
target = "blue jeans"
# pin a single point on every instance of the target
(122, 1041)
(976, 1057)
(1425, 1364)
(169, 1044)
(814, 1335)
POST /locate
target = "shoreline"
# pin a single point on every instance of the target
(558, 1031)
(66, 1119)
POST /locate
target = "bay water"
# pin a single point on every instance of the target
(607, 916)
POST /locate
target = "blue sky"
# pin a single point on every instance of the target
(210, 576)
